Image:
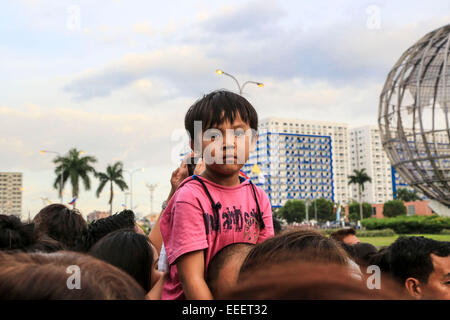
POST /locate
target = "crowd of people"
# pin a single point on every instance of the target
(214, 239)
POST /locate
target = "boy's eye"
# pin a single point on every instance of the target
(239, 133)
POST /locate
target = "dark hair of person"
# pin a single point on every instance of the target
(45, 276)
(381, 259)
(340, 234)
(347, 247)
(216, 108)
(101, 227)
(410, 257)
(301, 244)
(362, 253)
(235, 252)
(14, 235)
(129, 251)
(277, 227)
(61, 224)
(46, 244)
(306, 281)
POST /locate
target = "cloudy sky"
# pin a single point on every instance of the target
(114, 78)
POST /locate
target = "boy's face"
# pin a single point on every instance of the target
(226, 147)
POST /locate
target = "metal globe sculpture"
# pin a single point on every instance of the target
(413, 115)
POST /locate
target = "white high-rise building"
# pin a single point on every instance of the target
(336, 131)
(366, 151)
(11, 193)
(292, 166)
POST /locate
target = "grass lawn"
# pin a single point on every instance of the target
(385, 241)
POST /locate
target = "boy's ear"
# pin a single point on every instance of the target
(414, 288)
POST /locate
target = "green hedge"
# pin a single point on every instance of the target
(445, 231)
(366, 233)
(411, 224)
(376, 233)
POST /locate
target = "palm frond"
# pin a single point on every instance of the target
(100, 187)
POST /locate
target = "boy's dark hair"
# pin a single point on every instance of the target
(340, 234)
(61, 224)
(43, 276)
(100, 228)
(218, 106)
(14, 235)
(410, 257)
(297, 245)
(129, 251)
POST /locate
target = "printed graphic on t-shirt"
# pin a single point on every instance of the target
(234, 219)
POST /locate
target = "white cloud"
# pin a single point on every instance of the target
(186, 69)
(144, 28)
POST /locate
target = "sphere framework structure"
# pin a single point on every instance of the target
(413, 115)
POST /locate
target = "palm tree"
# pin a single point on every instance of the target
(74, 166)
(359, 177)
(113, 175)
(406, 195)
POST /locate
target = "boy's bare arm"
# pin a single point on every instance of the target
(191, 273)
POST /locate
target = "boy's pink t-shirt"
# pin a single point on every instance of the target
(188, 223)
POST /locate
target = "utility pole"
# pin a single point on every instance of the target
(151, 188)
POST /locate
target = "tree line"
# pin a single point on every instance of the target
(78, 169)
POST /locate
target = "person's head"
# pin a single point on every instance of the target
(277, 226)
(61, 224)
(422, 266)
(132, 253)
(227, 125)
(46, 244)
(296, 245)
(223, 269)
(346, 235)
(14, 235)
(362, 252)
(100, 228)
(381, 259)
(303, 280)
(63, 275)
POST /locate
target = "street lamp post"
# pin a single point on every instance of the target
(151, 188)
(241, 89)
(131, 183)
(61, 174)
